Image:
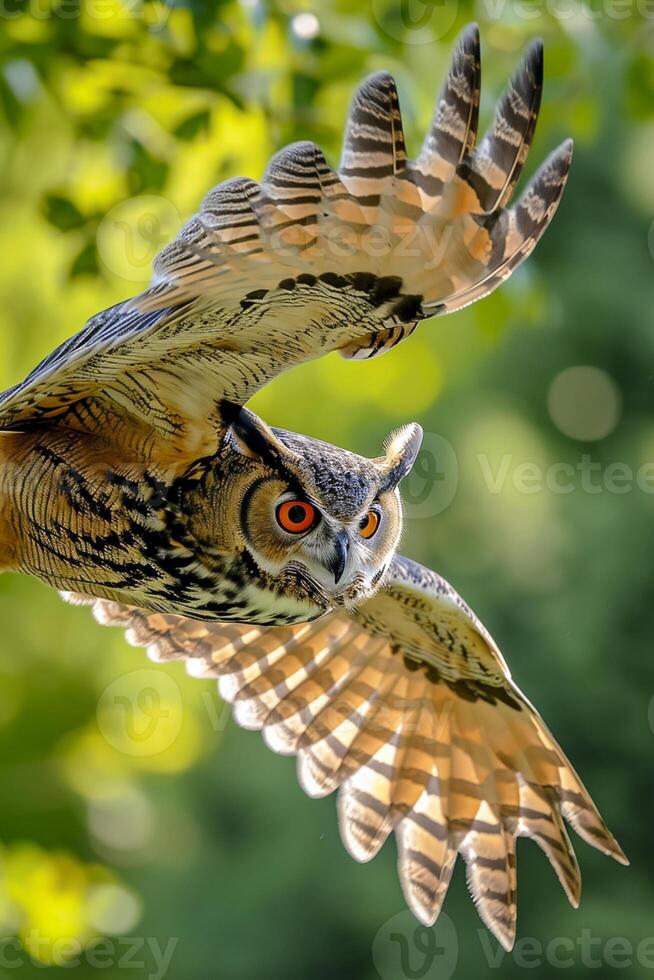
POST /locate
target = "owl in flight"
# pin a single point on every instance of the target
(133, 478)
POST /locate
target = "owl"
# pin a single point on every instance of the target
(134, 478)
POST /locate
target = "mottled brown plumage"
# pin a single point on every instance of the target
(132, 477)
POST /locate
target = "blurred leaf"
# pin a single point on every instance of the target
(305, 89)
(10, 104)
(210, 70)
(640, 87)
(62, 213)
(85, 262)
(193, 125)
(146, 172)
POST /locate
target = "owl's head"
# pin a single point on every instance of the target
(331, 516)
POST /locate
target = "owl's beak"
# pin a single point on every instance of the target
(338, 560)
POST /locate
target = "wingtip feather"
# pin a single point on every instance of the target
(468, 39)
(534, 57)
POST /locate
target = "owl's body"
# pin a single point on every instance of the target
(84, 522)
(132, 478)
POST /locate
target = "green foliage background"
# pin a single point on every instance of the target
(115, 118)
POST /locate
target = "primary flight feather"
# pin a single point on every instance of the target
(133, 478)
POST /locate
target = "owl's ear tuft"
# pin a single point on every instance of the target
(250, 436)
(400, 448)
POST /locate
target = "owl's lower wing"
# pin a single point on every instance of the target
(309, 261)
(409, 708)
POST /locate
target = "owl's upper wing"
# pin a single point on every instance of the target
(312, 260)
(409, 708)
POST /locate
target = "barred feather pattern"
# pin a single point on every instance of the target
(313, 260)
(408, 709)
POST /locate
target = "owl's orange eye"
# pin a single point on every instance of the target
(296, 516)
(369, 524)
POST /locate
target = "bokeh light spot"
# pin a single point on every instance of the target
(123, 823)
(112, 909)
(584, 403)
(305, 26)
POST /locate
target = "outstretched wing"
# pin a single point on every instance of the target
(409, 708)
(310, 261)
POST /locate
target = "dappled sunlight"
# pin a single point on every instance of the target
(57, 904)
